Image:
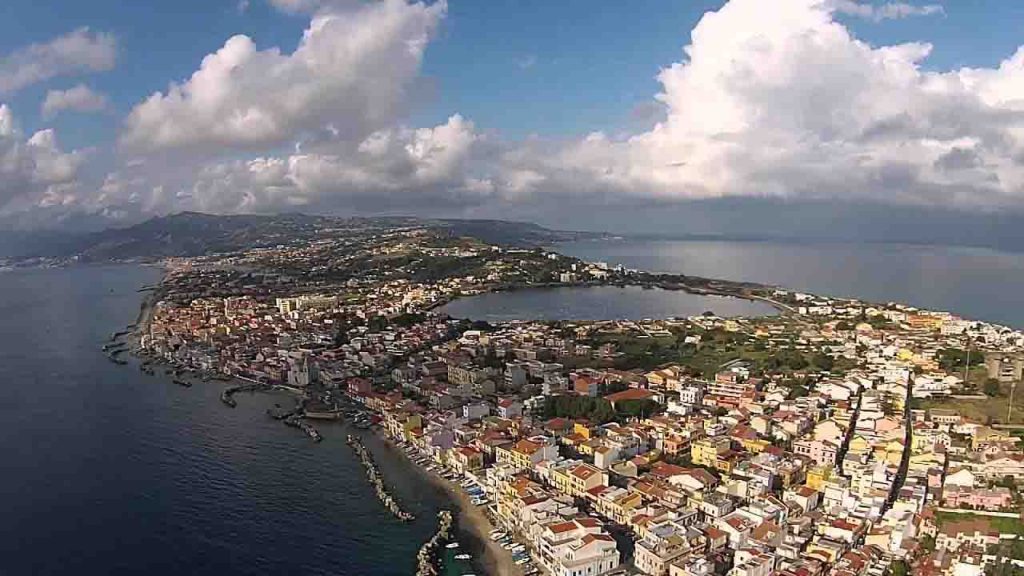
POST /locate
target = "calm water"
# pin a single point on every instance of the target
(109, 471)
(598, 303)
(976, 283)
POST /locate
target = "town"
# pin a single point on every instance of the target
(836, 437)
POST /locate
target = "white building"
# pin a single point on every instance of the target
(577, 547)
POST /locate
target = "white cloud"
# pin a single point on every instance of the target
(35, 168)
(352, 70)
(329, 174)
(787, 103)
(81, 98)
(885, 11)
(78, 52)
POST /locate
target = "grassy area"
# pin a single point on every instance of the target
(987, 410)
(717, 348)
(1003, 525)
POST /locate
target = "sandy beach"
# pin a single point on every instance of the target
(497, 560)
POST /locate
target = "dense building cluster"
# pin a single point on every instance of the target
(825, 440)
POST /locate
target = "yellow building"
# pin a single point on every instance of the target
(859, 445)
(705, 452)
(755, 445)
(818, 477)
(576, 480)
(582, 429)
(890, 452)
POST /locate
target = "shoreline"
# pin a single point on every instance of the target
(496, 560)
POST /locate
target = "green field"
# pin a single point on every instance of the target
(988, 410)
(1003, 525)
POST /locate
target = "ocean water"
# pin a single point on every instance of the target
(109, 471)
(976, 283)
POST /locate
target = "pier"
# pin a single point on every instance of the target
(375, 479)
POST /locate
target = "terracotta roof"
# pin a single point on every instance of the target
(584, 471)
(631, 394)
(562, 527)
(526, 447)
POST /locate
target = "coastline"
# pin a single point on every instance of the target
(146, 309)
(496, 560)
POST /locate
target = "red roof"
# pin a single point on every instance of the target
(631, 394)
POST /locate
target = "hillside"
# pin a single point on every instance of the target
(195, 234)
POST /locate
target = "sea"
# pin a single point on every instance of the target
(976, 283)
(109, 471)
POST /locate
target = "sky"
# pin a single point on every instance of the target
(662, 116)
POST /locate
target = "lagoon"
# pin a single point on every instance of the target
(598, 303)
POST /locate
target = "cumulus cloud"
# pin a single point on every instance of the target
(787, 103)
(35, 168)
(393, 164)
(77, 52)
(351, 71)
(886, 11)
(81, 98)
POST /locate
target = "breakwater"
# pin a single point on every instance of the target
(427, 558)
(296, 422)
(375, 479)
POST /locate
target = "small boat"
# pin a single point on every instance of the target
(452, 546)
(462, 556)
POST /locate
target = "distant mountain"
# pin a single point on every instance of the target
(195, 234)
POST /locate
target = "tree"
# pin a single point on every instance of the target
(991, 387)
(638, 408)
(928, 544)
(955, 359)
(899, 568)
(797, 392)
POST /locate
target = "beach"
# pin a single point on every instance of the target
(497, 560)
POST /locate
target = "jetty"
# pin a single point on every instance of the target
(296, 422)
(375, 479)
(227, 396)
(427, 561)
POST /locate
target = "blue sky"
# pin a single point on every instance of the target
(520, 67)
(473, 108)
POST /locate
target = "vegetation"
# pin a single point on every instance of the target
(955, 359)
(597, 410)
(989, 410)
(1004, 551)
(1001, 524)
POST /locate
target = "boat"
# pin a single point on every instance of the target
(452, 546)
(184, 383)
(462, 556)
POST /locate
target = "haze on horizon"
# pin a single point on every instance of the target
(876, 120)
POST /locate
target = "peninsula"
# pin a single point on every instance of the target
(835, 437)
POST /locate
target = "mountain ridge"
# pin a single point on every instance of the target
(188, 234)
